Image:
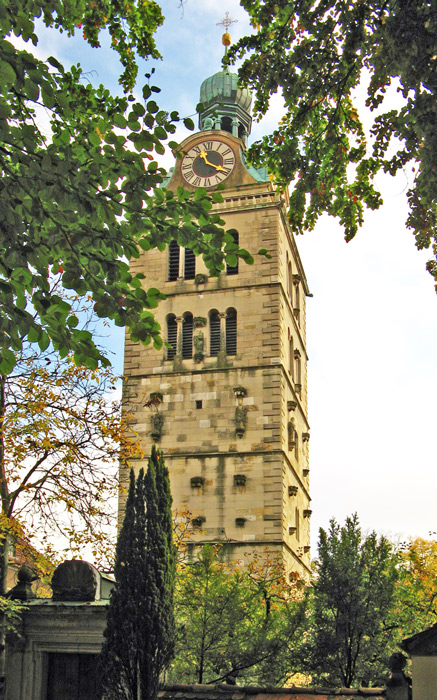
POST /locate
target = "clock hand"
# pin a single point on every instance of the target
(213, 165)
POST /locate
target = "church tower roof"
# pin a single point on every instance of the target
(226, 105)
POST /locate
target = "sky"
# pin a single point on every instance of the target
(371, 322)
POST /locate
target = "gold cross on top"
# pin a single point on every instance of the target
(226, 22)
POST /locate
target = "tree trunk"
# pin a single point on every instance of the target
(3, 535)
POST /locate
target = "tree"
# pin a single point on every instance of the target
(139, 636)
(318, 53)
(416, 588)
(352, 595)
(61, 437)
(234, 622)
(78, 204)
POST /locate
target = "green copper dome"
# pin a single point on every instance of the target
(224, 86)
(226, 105)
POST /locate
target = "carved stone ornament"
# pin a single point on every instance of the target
(305, 472)
(198, 521)
(292, 490)
(240, 420)
(240, 522)
(305, 437)
(157, 421)
(197, 482)
(23, 589)
(239, 480)
(291, 405)
(307, 513)
(75, 581)
(291, 530)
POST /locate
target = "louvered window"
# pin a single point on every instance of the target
(214, 333)
(233, 269)
(172, 336)
(173, 261)
(231, 332)
(187, 336)
(190, 264)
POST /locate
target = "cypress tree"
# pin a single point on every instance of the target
(139, 635)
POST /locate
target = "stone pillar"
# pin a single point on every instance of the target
(179, 322)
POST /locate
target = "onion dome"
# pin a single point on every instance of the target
(226, 105)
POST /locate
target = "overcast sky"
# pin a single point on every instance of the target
(371, 323)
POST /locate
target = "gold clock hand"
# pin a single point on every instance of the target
(202, 154)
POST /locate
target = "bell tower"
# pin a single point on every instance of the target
(227, 402)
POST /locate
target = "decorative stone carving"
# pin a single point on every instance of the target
(239, 480)
(240, 522)
(199, 343)
(305, 472)
(305, 437)
(240, 420)
(198, 521)
(23, 589)
(291, 405)
(291, 530)
(75, 581)
(157, 421)
(307, 513)
(197, 482)
(292, 490)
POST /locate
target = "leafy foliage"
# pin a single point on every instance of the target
(353, 597)
(60, 442)
(79, 203)
(234, 622)
(318, 52)
(140, 624)
(416, 588)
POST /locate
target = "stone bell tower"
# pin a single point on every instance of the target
(227, 402)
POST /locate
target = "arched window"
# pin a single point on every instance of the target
(297, 523)
(290, 354)
(173, 261)
(231, 332)
(227, 124)
(233, 269)
(189, 265)
(172, 336)
(214, 332)
(296, 295)
(187, 336)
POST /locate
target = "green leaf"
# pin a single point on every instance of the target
(119, 120)
(188, 123)
(7, 361)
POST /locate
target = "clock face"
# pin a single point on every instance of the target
(208, 163)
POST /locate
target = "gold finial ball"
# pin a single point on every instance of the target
(226, 39)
